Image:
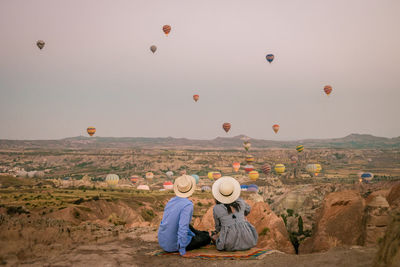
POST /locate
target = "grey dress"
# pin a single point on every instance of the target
(235, 232)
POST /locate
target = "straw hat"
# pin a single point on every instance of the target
(226, 190)
(184, 186)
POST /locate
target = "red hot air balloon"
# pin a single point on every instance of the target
(275, 127)
(226, 126)
(196, 98)
(328, 89)
(166, 29)
(248, 168)
(266, 168)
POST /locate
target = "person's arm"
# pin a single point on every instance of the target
(183, 230)
(217, 222)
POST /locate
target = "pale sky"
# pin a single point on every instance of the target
(97, 69)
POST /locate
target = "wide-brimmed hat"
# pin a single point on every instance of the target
(226, 190)
(184, 186)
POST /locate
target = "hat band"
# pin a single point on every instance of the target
(191, 185)
(226, 195)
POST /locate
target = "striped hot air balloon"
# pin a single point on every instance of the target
(248, 168)
(270, 58)
(275, 127)
(216, 175)
(112, 179)
(279, 168)
(249, 159)
(166, 29)
(253, 175)
(236, 166)
(196, 98)
(266, 168)
(226, 126)
(252, 188)
(134, 179)
(299, 148)
(244, 187)
(91, 131)
(328, 89)
(149, 175)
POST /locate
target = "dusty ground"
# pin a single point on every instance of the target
(132, 252)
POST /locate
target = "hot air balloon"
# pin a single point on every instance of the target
(169, 174)
(275, 127)
(236, 166)
(216, 175)
(196, 177)
(293, 159)
(196, 98)
(248, 168)
(266, 168)
(112, 179)
(313, 169)
(249, 159)
(143, 187)
(279, 168)
(226, 126)
(253, 175)
(149, 175)
(246, 145)
(205, 188)
(168, 185)
(91, 131)
(366, 176)
(270, 57)
(328, 89)
(299, 148)
(244, 187)
(210, 175)
(252, 188)
(134, 179)
(166, 29)
(40, 44)
(153, 48)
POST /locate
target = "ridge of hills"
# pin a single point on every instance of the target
(352, 141)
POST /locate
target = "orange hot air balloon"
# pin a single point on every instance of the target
(226, 126)
(236, 166)
(195, 98)
(91, 131)
(328, 89)
(216, 175)
(275, 127)
(166, 29)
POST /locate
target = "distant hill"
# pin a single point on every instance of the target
(355, 141)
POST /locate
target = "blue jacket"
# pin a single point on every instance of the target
(174, 233)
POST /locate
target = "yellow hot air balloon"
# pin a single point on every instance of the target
(210, 175)
(249, 159)
(149, 175)
(112, 179)
(253, 175)
(91, 131)
(313, 169)
(279, 168)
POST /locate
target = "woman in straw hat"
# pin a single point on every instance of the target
(175, 232)
(234, 232)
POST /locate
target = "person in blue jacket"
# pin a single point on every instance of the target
(175, 232)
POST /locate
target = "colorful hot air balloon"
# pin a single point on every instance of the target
(328, 89)
(226, 126)
(134, 179)
(149, 175)
(244, 187)
(166, 29)
(248, 168)
(169, 174)
(294, 159)
(366, 176)
(313, 169)
(253, 175)
(249, 159)
(266, 168)
(275, 127)
(168, 185)
(279, 168)
(299, 148)
(40, 44)
(252, 188)
(236, 166)
(246, 145)
(210, 175)
(196, 98)
(270, 57)
(153, 48)
(112, 179)
(91, 131)
(205, 188)
(216, 175)
(196, 177)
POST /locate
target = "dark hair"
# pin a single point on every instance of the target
(229, 206)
